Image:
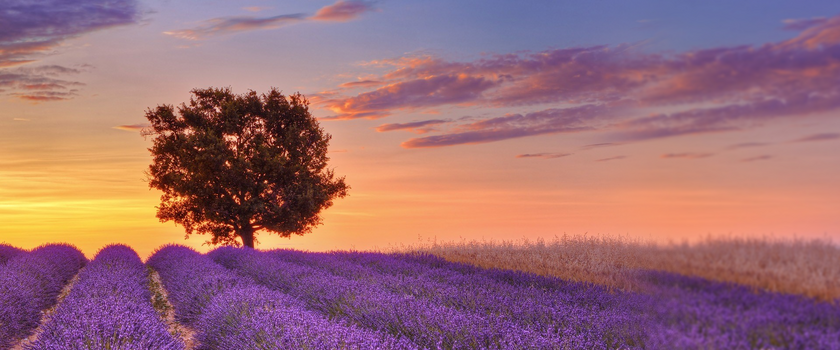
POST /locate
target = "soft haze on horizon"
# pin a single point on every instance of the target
(450, 120)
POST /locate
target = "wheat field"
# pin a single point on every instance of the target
(797, 266)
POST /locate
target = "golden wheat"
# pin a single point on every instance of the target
(808, 267)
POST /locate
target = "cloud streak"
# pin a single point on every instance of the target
(341, 11)
(510, 126)
(40, 83)
(132, 127)
(34, 27)
(29, 30)
(610, 158)
(420, 127)
(688, 155)
(757, 158)
(819, 137)
(543, 155)
(739, 87)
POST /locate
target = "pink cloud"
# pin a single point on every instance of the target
(740, 87)
(543, 155)
(412, 94)
(361, 83)
(610, 158)
(343, 11)
(420, 127)
(230, 25)
(132, 127)
(819, 137)
(30, 30)
(687, 155)
(550, 121)
(757, 158)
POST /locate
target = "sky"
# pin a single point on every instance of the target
(450, 120)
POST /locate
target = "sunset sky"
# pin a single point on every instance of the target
(469, 119)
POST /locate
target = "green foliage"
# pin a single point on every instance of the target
(230, 165)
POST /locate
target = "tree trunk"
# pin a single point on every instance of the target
(247, 235)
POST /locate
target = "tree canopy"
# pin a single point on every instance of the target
(232, 165)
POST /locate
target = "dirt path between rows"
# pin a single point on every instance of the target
(160, 300)
(47, 314)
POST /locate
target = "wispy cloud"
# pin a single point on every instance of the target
(361, 83)
(795, 77)
(599, 145)
(255, 8)
(543, 155)
(688, 155)
(819, 137)
(610, 158)
(800, 24)
(747, 145)
(516, 125)
(29, 30)
(229, 25)
(132, 127)
(39, 83)
(341, 11)
(757, 158)
(420, 127)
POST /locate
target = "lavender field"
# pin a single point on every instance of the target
(234, 298)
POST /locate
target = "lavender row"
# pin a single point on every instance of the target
(427, 323)
(700, 314)
(109, 307)
(29, 283)
(233, 312)
(694, 313)
(591, 317)
(8, 252)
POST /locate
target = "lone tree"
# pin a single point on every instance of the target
(231, 165)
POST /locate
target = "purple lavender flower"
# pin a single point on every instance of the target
(232, 312)
(29, 283)
(108, 308)
(8, 252)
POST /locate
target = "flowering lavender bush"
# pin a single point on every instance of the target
(700, 314)
(233, 312)
(8, 252)
(427, 323)
(605, 317)
(695, 313)
(108, 308)
(30, 283)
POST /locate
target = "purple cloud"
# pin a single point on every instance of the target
(132, 127)
(800, 24)
(39, 84)
(747, 145)
(742, 87)
(543, 155)
(229, 25)
(598, 145)
(343, 11)
(611, 158)
(361, 83)
(688, 155)
(757, 158)
(31, 29)
(420, 127)
(517, 125)
(340, 11)
(434, 91)
(819, 137)
(34, 27)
